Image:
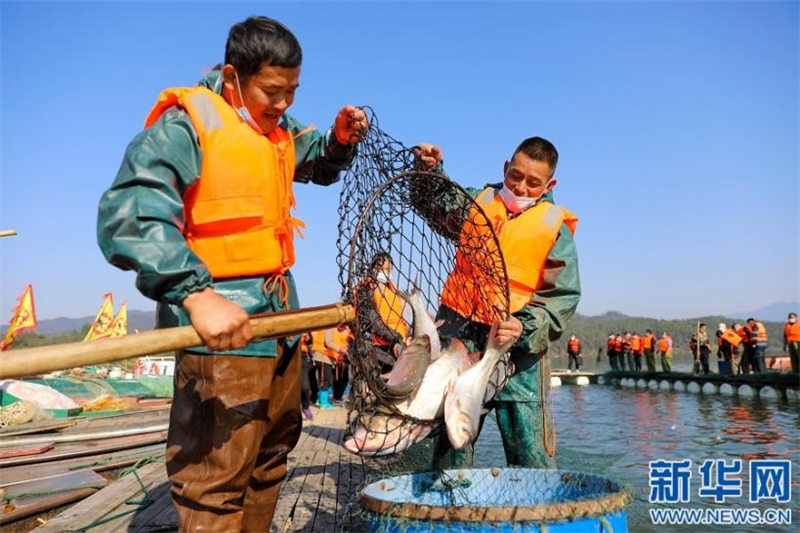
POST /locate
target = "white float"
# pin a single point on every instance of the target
(726, 389)
(641, 384)
(665, 385)
(555, 381)
(679, 386)
(582, 381)
(710, 388)
(601, 380)
(746, 391)
(792, 395)
(693, 387)
(768, 393)
(652, 384)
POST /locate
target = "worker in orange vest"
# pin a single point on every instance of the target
(638, 351)
(619, 350)
(536, 239)
(574, 352)
(664, 351)
(379, 310)
(201, 208)
(791, 341)
(649, 346)
(611, 353)
(759, 344)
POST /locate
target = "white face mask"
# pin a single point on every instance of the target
(244, 112)
(518, 204)
(382, 276)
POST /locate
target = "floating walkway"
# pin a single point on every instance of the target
(766, 385)
(319, 493)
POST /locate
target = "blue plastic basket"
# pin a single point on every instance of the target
(497, 499)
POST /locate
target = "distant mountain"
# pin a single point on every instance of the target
(776, 312)
(141, 320)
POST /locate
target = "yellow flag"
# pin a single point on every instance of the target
(101, 328)
(24, 317)
(119, 328)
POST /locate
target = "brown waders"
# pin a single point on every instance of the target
(233, 421)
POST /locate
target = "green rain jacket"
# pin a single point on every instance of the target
(543, 319)
(141, 221)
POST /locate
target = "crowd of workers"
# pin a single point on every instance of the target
(325, 375)
(741, 348)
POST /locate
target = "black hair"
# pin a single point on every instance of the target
(378, 261)
(261, 41)
(751, 319)
(539, 149)
(703, 324)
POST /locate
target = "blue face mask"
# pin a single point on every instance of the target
(244, 112)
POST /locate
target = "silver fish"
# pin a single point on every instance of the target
(409, 369)
(382, 434)
(423, 322)
(465, 394)
(428, 401)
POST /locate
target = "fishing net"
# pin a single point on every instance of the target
(439, 244)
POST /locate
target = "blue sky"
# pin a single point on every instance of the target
(677, 125)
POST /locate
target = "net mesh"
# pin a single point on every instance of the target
(440, 246)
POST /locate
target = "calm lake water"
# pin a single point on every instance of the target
(616, 432)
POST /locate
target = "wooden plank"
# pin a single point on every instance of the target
(142, 520)
(66, 451)
(33, 506)
(290, 491)
(325, 517)
(36, 427)
(106, 502)
(18, 451)
(65, 482)
(97, 463)
(343, 495)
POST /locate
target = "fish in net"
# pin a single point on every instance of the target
(418, 324)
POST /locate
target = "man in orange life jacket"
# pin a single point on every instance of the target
(574, 351)
(638, 351)
(759, 344)
(536, 237)
(201, 210)
(791, 341)
(380, 309)
(649, 345)
(610, 352)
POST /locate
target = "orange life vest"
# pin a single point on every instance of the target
(618, 344)
(237, 214)
(636, 343)
(525, 242)
(761, 333)
(318, 342)
(792, 332)
(662, 345)
(648, 341)
(731, 336)
(390, 309)
(573, 345)
(339, 342)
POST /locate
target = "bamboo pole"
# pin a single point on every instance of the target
(7, 232)
(31, 361)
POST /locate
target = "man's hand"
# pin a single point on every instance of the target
(508, 330)
(351, 125)
(222, 324)
(428, 156)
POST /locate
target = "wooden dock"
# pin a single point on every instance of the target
(319, 493)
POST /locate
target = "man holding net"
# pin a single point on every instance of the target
(536, 240)
(201, 210)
